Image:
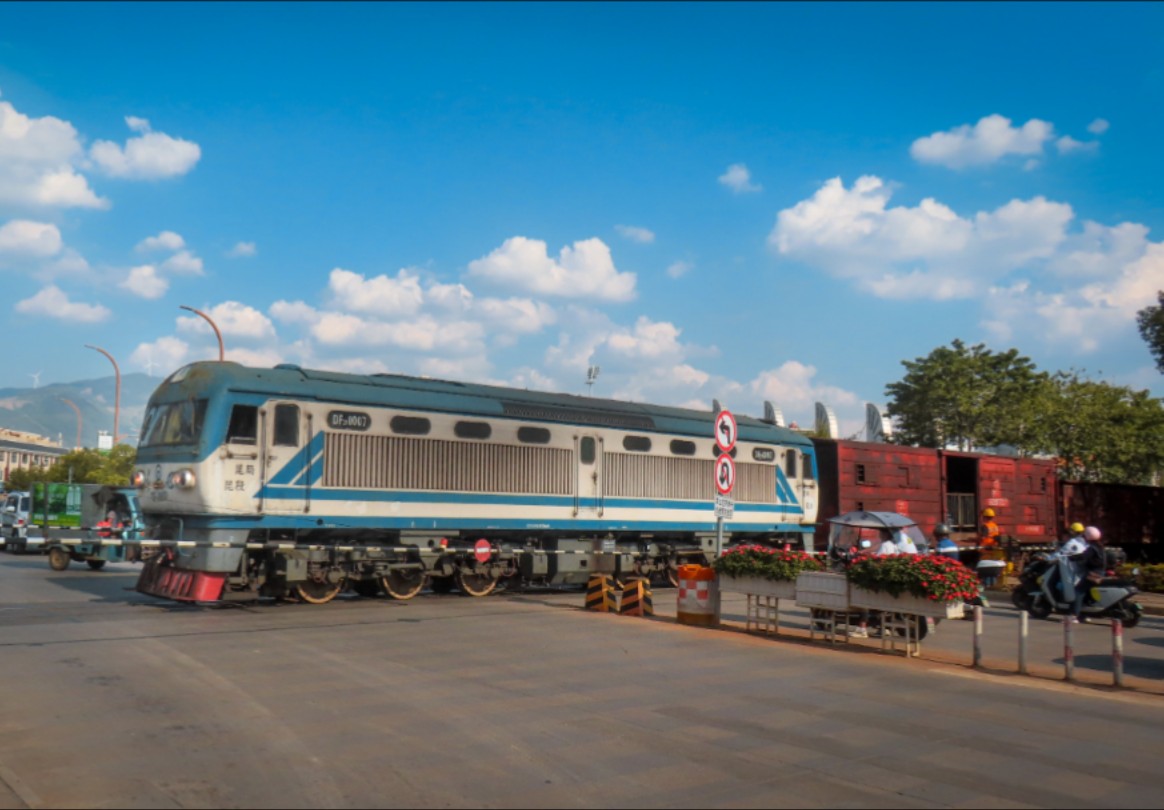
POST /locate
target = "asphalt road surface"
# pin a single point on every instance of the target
(113, 699)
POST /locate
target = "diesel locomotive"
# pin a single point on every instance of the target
(290, 482)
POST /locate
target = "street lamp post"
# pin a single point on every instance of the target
(217, 334)
(73, 405)
(117, 395)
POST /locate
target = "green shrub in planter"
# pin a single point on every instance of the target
(766, 563)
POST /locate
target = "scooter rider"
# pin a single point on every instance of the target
(1067, 572)
(1090, 565)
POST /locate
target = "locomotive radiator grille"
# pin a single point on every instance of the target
(640, 476)
(390, 462)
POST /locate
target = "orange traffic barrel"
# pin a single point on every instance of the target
(698, 596)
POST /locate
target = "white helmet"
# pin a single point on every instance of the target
(1092, 534)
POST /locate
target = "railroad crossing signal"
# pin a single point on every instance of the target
(725, 474)
(726, 430)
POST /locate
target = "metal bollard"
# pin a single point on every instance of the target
(1068, 649)
(1117, 652)
(978, 635)
(1024, 617)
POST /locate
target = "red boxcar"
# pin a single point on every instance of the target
(1129, 516)
(934, 486)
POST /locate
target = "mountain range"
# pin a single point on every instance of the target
(44, 411)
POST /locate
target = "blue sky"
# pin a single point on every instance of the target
(741, 202)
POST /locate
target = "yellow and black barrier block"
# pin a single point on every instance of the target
(636, 599)
(600, 594)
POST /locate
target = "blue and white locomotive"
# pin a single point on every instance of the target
(291, 482)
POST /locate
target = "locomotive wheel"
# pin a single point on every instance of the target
(96, 565)
(58, 559)
(317, 593)
(403, 583)
(475, 584)
(442, 584)
(367, 588)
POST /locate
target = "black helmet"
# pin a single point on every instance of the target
(941, 530)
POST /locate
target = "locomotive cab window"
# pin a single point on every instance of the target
(586, 450)
(806, 468)
(287, 425)
(790, 464)
(244, 425)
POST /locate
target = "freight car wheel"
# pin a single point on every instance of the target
(317, 593)
(475, 584)
(403, 584)
(58, 559)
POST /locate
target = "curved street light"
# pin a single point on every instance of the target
(73, 405)
(117, 396)
(217, 334)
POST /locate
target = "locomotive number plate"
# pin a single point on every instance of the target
(348, 420)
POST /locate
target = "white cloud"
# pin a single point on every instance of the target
(1066, 145)
(51, 302)
(37, 157)
(162, 357)
(243, 249)
(1098, 126)
(294, 312)
(27, 238)
(585, 270)
(421, 334)
(166, 240)
(515, 314)
(183, 262)
(926, 251)
(455, 298)
(678, 269)
(145, 282)
(380, 295)
(739, 179)
(149, 156)
(988, 141)
(261, 358)
(636, 234)
(649, 340)
(234, 319)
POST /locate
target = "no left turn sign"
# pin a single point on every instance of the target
(725, 474)
(725, 431)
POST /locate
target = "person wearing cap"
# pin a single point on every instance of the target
(943, 544)
(989, 541)
(1089, 569)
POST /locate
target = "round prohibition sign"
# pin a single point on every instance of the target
(726, 431)
(482, 550)
(725, 474)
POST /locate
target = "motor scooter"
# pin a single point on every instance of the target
(1040, 593)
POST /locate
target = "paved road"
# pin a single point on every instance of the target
(111, 699)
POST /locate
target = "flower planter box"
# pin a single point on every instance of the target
(822, 590)
(758, 586)
(906, 603)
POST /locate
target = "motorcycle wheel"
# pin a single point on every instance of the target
(1020, 599)
(1132, 613)
(1039, 608)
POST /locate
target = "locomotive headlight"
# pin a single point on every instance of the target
(183, 479)
(138, 479)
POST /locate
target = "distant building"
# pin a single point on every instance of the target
(21, 451)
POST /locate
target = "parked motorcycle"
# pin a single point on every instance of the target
(1039, 593)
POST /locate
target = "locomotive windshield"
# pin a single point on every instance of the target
(173, 423)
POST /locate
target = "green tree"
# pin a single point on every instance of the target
(1151, 322)
(81, 467)
(968, 397)
(1103, 432)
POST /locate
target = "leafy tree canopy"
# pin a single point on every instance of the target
(1150, 319)
(85, 466)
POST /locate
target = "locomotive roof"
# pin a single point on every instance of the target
(423, 393)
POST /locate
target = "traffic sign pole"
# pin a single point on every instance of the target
(726, 432)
